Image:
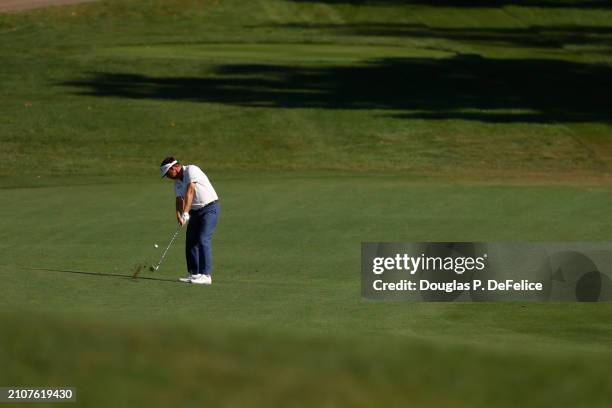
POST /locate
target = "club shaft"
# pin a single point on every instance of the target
(168, 247)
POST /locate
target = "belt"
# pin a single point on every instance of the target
(201, 208)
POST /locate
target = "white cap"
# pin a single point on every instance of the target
(164, 168)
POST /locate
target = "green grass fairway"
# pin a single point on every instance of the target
(322, 124)
(284, 322)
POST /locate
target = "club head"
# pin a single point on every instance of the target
(152, 268)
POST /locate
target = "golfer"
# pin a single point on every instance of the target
(197, 205)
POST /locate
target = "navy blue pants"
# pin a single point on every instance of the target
(198, 248)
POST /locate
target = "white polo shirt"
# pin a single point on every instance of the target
(204, 193)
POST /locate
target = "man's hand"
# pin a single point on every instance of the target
(183, 218)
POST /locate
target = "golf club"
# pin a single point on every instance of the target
(156, 267)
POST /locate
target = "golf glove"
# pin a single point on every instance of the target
(185, 217)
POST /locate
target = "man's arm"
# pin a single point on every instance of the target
(179, 209)
(189, 197)
(186, 202)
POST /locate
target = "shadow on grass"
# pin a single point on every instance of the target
(461, 87)
(588, 4)
(107, 275)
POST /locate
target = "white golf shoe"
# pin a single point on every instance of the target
(189, 278)
(202, 280)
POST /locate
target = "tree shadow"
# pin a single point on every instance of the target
(461, 87)
(592, 4)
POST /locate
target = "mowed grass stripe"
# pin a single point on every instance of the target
(277, 53)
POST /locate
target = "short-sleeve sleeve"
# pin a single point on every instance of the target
(177, 190)
(194, 175)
